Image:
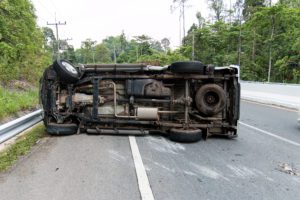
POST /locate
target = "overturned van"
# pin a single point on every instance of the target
(186, 100)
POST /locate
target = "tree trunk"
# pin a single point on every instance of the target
(254, 45)
(240, 44)
(270, 48)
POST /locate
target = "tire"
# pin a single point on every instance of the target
(185, 136)
(187, 67)
(61, 129)
(66, 71)
(210, 99)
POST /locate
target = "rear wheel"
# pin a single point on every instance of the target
(61, 129)
(183, 135)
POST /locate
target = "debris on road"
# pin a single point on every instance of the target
(288, 169)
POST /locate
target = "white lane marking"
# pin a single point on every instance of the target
(270, 134)
(143, 182)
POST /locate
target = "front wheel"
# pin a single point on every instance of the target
(61, 129)
(66, 71)
(185, 135)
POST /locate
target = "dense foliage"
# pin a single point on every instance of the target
(268, 39)
(118, 49)
(21, 42)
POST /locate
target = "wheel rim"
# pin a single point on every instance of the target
(70, 68)
(211, 98)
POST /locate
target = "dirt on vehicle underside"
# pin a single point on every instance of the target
(186, 100)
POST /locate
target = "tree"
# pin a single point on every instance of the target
(88, 51)
(200, 19)
(276, 35)
(144, 46)
(251, 6)
(22, 55)
(114, 44)
(218, 8)
(166, 44)
(238, 10)
(102, 54)
(290, 3)
(49, 36)
(123, 41)
(68, 52)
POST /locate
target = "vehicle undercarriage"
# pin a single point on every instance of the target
(186, 100)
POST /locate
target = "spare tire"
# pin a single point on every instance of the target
(185, 135)
(188, 67)
(66, 71)
(210, 99)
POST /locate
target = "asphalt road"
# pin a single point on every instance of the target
(102, 167)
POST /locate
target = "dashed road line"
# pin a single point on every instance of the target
(270, 134)
(142, 178)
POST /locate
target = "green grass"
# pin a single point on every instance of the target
(21, 147)
(14, 101)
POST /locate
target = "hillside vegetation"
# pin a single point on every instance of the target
(22, 55)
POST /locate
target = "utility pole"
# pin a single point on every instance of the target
(181, 4)
(56, 24)
(66, 40)
(230, 12)
(180, 39)
(270, 48)
(93, 49)
(193, 46)
(115, 55)
(183, 19)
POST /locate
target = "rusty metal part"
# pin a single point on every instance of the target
(156, 76)
(114, 67)
(183, 100)
(169, 112)
(157, 89)
(205, 118)
(118, 131)
(115, 104)
(80, 98)
(186, 106)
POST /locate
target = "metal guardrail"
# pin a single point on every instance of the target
(16, 126)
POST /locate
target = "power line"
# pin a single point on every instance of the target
(45, 8)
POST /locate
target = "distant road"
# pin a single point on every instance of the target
(102, 167)
(274, 93)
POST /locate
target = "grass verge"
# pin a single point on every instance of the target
(14, 101)
(21, 147)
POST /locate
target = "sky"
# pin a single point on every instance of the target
(98, 19)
